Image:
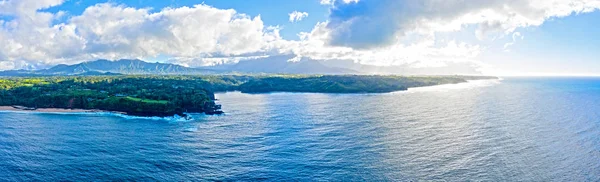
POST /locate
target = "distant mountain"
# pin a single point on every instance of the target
(106, 67)
(272, 64)
(280, 64)
(450, 68)
(17, 73)
(124, 66)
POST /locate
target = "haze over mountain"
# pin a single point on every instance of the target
(136, 67)
(273, 64)
(282, 64)
(104, 67)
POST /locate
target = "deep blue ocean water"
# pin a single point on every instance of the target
(516, 129)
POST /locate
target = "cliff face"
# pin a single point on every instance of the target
(146, 108)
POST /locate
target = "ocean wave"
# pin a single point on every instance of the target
(191, 129)
(174, 118)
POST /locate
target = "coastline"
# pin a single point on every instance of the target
(60, 111)
(53, 110)
(462, 84)
(468, 84)
(465, 83)
(21, 109)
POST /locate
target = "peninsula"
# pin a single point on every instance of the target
(177, 95)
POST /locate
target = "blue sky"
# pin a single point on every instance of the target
(517, 37)
(563, 45)
(272, 12)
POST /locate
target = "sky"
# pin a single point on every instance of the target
(494, 37)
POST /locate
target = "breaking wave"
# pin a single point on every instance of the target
(174, 118)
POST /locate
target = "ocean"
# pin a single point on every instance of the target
(514, 129)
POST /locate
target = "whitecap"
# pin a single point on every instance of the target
(191, 129)
(174, 118)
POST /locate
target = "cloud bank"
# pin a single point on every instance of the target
(376, 32)
(375, 23)
(114, 31)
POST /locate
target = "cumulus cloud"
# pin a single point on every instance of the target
(114, 31)
(376, 32)
(427, 53)
(26, 7)
(374, 23)
(404, 32)
(297, 16)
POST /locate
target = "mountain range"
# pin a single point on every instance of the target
(274, 64)
(139, 67)
(106, 67)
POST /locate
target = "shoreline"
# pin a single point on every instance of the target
(21, 109)
(55, 110)
(409, 89)
(453, 86)
(60, 111)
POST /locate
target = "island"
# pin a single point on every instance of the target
(169, 95)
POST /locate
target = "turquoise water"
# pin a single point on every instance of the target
(516, 129)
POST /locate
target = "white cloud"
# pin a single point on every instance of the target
(6, 65)
(297, 16)
(377, 32)
(186, 31)
(331, 2)
(427, 53)
(351, 1)
(26, 7)
(374, 23)
(326, 2)
(391, 32)
(115, 31)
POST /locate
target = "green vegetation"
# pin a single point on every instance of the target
(170, 95)
(147, 100)
(346, 83)
(134, 95)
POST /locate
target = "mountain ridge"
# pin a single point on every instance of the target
(269, 65)
(107, 67)
(275, 65)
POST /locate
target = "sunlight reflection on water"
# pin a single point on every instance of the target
(507, 130)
